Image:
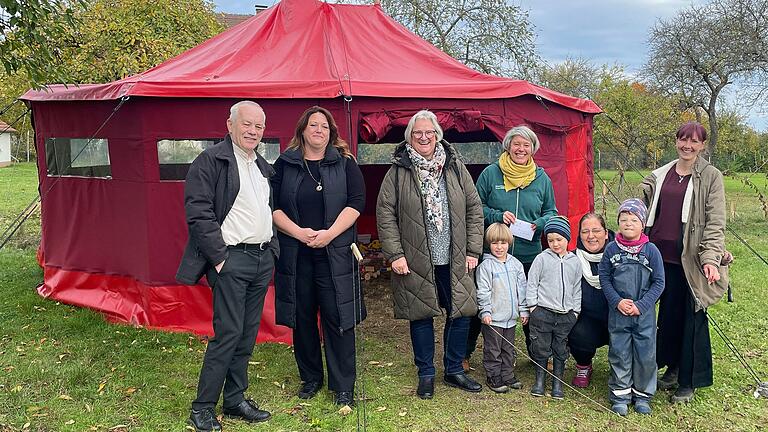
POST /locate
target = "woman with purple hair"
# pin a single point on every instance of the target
(686, 220)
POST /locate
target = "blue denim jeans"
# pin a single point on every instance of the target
(454, 334)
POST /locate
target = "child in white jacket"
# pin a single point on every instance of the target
(501, 299)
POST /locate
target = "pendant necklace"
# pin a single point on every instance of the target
(319, 182)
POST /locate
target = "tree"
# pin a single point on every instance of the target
(112, 39)
(491, 36)
(696, 54)
(29, 28)
(578, 77)
(118, 38)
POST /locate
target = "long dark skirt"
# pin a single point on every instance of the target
(683, 335)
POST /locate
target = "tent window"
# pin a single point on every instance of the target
(472, 153)
(175, 155)
(78, 157)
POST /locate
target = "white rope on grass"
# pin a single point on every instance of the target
(544, 368)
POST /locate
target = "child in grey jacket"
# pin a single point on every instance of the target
(501, 300)
(554, 298)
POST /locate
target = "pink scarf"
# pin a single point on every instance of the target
(633, 246)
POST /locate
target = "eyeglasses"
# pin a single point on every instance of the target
(427, 133)
(594, 231)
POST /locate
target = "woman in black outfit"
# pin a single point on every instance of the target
(591, 329)
(318, 194)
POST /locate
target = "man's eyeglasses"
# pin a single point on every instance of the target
(419, 134)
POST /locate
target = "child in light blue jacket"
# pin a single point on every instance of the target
(501, 299)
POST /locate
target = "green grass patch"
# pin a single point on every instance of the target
(64, 368)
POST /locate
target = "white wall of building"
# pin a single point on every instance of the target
(5, 149)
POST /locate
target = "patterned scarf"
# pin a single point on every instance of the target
(633, 246)
(429, 174)
(516, 176)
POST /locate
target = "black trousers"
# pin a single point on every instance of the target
(683, 339)
(587, 335)
(315, 291)
(238, 299)
(549, 334)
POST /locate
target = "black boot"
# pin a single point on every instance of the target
(558, 368)
(541, 374)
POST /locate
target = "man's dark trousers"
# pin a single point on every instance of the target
(238, 299)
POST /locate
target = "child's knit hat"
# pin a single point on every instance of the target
(636, 207)
(558, 224)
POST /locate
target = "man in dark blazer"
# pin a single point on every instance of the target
(228, 203)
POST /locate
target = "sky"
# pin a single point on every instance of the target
(602, 31)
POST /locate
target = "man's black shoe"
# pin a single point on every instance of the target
(463, 382)
(247, 410)
(309, 389)
(344, 398)
(426, 388)
(204, 420)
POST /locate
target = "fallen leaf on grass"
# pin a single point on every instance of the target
(69, 422)
(88, 408)
(120, 426)
(345, 410)
(403, 413)
(130, 390)
(101, 387)
(373, 362)
(16, 389)
(294, 410)
(26, 425)
(381, 408)
(65, 397)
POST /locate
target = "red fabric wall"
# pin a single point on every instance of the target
(114, 244)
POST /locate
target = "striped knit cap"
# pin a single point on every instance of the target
(636, 207)
(558, 224)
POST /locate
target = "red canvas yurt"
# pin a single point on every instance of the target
(112, 157)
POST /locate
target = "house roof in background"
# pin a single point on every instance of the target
(230, 20)
(4, 128)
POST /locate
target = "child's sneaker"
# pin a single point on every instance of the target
(496, 384)
(642, 407)
(620, 409)
(583, 375)
(514, 383)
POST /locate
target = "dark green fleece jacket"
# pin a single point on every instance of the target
(534, 203)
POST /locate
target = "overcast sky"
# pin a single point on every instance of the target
(603, 31)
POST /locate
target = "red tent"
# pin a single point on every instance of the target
(112, 210)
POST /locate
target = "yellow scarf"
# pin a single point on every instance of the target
(516, 176)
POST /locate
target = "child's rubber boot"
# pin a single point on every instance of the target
(558, 369)
(538, 385)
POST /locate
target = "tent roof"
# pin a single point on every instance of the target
(312, 49)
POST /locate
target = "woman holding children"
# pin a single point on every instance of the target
(429, 220)
(632, 279)
(686, 220)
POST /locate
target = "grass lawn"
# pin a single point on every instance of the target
(66, 369)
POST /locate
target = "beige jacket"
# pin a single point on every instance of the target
(703, 218)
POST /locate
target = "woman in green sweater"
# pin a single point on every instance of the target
(515, 188)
